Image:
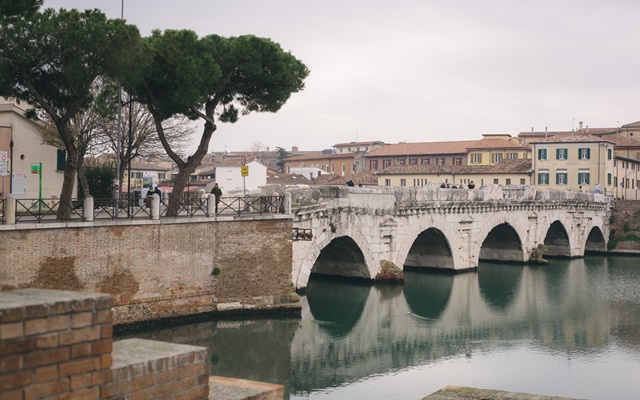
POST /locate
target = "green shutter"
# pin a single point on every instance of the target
(588, 155)
(557, 155)
(587, 173)
(539, 158)
(61, 160)
(609, 179)
(557, 177)
(539, 174)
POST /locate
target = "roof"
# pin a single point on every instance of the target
(621, 141)
(597, 131)
(632, 125)
(543, 134)
(522, 165)
(358, 143)
(235, 162)
(366, 178)
(572, 138)
(433, 148)
(278, 178)
(321, 157)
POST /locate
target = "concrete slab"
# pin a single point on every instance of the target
(222, 388)
(467, 393)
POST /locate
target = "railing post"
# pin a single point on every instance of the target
(87, 209)
(155, 206)
(211, 205)
(10, 210)
(287, 203)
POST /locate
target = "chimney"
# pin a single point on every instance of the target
(532, 129)
(580, 125)
(545, 131)
(294, 149)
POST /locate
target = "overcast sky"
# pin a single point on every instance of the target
(422, 70)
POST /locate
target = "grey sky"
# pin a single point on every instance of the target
(423, 70)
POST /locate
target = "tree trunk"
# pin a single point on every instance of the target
(181, 182)
(66, 194)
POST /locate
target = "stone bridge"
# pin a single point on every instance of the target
(360, 232)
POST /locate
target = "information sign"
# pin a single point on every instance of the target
(36, 168)
(244, 170)
(4, 168)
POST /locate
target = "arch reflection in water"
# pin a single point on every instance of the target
(427, 293)
(499, 284)
(336, 304)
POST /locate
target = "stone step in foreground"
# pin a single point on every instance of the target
(222, 388)
(466, 393)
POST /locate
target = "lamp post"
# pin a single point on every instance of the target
(119, 133)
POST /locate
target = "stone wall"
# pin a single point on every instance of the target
(157, 269)
(626, 212)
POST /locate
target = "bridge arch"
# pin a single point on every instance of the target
(500, 241)
(557, 240)
(430, 249)
(347, 255)
(429, 244)
(595, 240)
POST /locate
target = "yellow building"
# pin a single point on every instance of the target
(505, 172)
(573, 162)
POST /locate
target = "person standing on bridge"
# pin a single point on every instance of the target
(217, 192)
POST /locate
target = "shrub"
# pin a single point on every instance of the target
(625, 227)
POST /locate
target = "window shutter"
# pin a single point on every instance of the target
(539, 178)
(557, 178)
(588, 156)
(61, 160)
(587, 174)
(557, 155)
(480, 158)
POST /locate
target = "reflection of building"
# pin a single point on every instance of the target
(21, 148)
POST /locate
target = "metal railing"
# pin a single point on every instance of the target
(132, 207)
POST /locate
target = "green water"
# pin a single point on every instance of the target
(570, 328)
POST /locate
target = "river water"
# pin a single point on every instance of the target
(570, 328)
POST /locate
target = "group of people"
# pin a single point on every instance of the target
(471, 185)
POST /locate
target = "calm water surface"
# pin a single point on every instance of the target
(571, 328)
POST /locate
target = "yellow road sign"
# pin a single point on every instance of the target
(244, 170)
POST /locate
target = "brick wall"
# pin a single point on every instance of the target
(58, 345)
(157, 269)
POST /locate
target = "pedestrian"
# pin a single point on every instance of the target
(472, 185)
(598, 188)
(217, 192)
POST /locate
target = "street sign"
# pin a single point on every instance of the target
(4, 164)
(244, 162)
(244, 170)
(36, 168)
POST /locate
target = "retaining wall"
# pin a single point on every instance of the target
(157, 269)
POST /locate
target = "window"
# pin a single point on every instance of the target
(387, 182)
(387, 163)
(333, 167)
(476, 158)
(495, 181)
(543, 177)
(61, 161)
(584, 153)
(561, 154)
(374, 165)
(512, 156)
(609, 154)
(403, 182)
(522, 181)
(413, 161)
(440, 160)
(229, 175)
(136, 175)
(400, 161)
(609, 179)
(426, 161)
(542, 154)
(583, 177)
(457, 161)
(497, 157)
(343, 168)
(341, 149)
(561, 177)
(162, 175)
(508, 182)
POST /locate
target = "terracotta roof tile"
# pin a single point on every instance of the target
(356, 144)
(632, 125)
(277, 178)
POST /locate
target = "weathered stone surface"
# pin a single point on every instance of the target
(466, 393)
